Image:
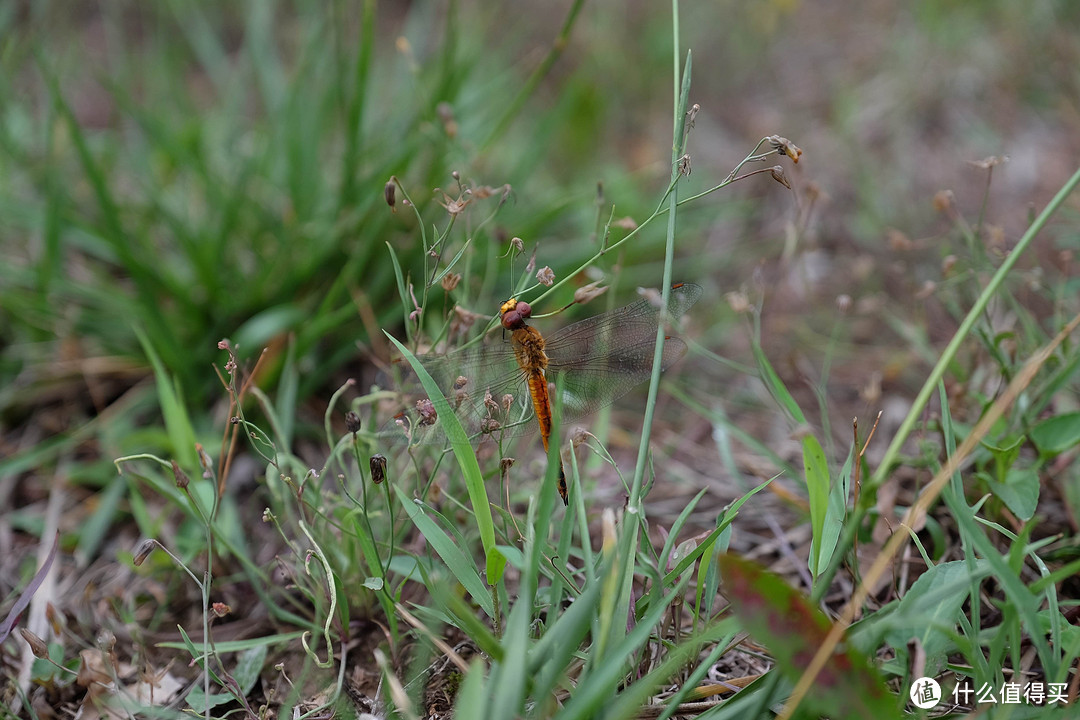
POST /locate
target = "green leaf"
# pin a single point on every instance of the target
(928, 610)
(776, 386)
(455, 558)
(470, 698)
(263, 327)
(232, 645)
(1057, 434)
(834, 516)
(466, 458)
(1004, 455)
(1019, 492)
(817, 486)
(248, 667)
(199, 701)
(181, 434)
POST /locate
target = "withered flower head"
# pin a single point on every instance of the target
(587, 293)
(352, 422)
(37, 645)
(988, 162)
(485, 191)
(450, 281)
(738, 302)
(778, 175)
(898, 241)
(205, 461)
(545, 276)
(943, 200)
(785, 147)
(947, 264)
(462, 321)
(180, 476)
(579, 436)
(145, 548)
(454, 206)
(390, 193)
(426, 408)
(684, 165)
(377, 464)
(691, 115)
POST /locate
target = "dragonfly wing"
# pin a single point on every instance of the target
(590, 385)
(625, 324)
(475, 383)
(605, 356)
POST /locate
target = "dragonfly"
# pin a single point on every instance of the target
(508, 389)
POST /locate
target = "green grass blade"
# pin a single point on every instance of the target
(817, 487)
(456, 561)
(177, 423)
(466, 458)
(776, 386)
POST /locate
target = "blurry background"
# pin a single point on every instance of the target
(203, 171)
(174, 173)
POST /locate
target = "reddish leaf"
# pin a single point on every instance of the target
(784, 621)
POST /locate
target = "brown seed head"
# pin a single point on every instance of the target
(390, 193)
(450, 281)
(426, 409)
(377, 465)
(589, 292)
(785, 147)
(778, 175)
(943, 200)
(145, 548)
(37, 645)
(352, 422)
(181, 478)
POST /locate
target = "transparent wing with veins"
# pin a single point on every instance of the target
(600, 359)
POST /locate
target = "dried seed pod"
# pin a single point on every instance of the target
(390, 193)
(352, 422)
(377, 464)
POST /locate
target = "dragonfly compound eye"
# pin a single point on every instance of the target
(515, 319)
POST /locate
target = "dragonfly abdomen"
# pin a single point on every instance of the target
(529, 348)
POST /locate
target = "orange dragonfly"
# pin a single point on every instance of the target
(497, 389)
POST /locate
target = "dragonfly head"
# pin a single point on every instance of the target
(514, 314)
